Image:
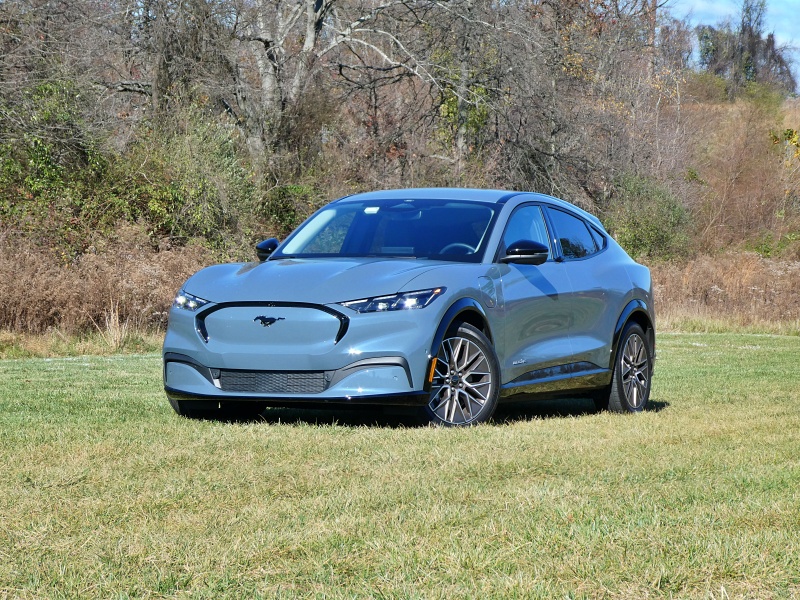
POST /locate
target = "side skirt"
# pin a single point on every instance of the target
(551, 381)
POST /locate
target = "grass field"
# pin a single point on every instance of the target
(105, 493)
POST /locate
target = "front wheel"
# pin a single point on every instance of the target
(633, 371)
(466, 381)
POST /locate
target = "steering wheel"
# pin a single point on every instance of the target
(457, 246)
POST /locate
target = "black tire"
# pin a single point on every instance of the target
(633, 372)
(466, 381)
(214, 410)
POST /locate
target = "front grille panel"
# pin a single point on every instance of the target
(271, 328)
(272, 382)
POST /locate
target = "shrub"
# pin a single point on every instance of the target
(647, 220)
(771, 246)
(184, 179)
(286, 206)
(50, 168)
(707, 87)
(122, 282)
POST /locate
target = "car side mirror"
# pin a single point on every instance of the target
(265, 248)
(526, 252)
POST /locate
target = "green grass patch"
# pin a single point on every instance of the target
(104, 492)
(708, 323)
(97, 343)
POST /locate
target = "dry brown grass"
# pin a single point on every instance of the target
(741, 290)
(117, 297)
(124, 284)
(791, 110)
(114, 331)
(739, 185)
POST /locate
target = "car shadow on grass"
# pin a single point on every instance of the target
(395, 417)
(656, 406)
(345, 416)
(557, 408)
(531, 410)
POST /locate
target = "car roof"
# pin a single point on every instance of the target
(468, 195)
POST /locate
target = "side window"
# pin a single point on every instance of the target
(572, 232)
(527, 223)
(599, 238)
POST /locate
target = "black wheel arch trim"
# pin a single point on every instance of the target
(459, 307)
(633, 307)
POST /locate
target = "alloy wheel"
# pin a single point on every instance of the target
(462, 384)
(635, 371)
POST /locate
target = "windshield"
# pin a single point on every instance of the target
(432, 229)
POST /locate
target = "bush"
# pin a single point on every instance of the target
(50, 168)
(287, 206)
(122, 281)
(185, 179)
(707, 87)
(647, 220)
(772, 246)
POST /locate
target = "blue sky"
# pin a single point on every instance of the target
(782, 18)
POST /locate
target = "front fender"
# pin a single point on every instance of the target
(466, 310)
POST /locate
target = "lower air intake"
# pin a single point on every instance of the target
(272, 382)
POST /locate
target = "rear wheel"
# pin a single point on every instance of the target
(466, 381)
(633, 370)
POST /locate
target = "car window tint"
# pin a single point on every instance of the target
(426, 229)
(572, 232)
(527, 223)
(599, 238)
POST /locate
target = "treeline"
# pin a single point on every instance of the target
(214, 123)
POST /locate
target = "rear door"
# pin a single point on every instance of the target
(598, 286)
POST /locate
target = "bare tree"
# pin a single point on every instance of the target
(743, 55)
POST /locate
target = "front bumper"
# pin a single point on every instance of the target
(416, 400)
(284, 353)
(369, 381)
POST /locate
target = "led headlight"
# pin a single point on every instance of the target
(188, 301)
(401, 301)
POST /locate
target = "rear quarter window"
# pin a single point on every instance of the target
(573, 234)
(599, 238)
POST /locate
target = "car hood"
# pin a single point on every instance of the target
(317, 281)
